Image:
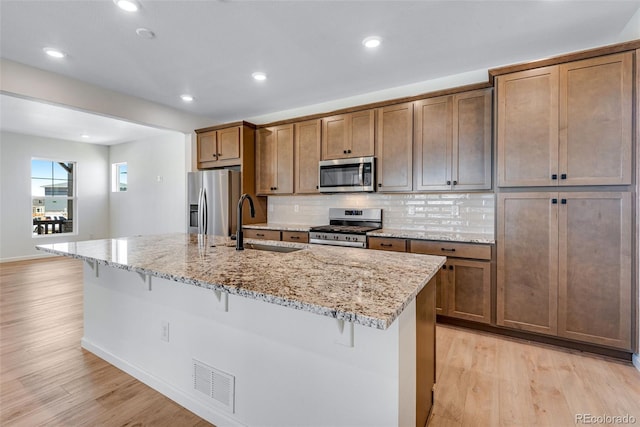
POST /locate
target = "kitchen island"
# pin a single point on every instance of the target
(317, 336)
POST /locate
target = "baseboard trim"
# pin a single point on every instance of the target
(636, 360)
(203, 411)
(26, 257)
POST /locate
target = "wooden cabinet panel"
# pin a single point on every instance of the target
(348, 135)
(595, 120)
(527, 127)
(229, 143)
(307, 156)
(295, 236)
(527, 282)
(469, 290)
(362, 134)
(451, 249)
(442, 285)
(432, 143)
(250, 233)
(471, 154)
(274, 160)
(222, 147)
(594, 296)
(452, 142)
(568, 124)
(393, 148)
(388, 244)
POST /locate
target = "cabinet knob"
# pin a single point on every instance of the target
(455, 182)
(349, 151)
(451, 267)
(554, 176)
(219, 154)
(563, 176)
(554, 201)
(344, 151)
(379, 184)
(563, 201)
(444, 267)
(448, 182)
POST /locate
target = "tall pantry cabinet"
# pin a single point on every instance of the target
(564, 137)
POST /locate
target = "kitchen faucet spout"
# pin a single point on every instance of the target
(239, 237)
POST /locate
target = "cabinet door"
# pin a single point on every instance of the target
(471, 154)
(266, 161)
(527, 128)
(307, 156)
(361, 139)
(393, 146)
(442, 285)
(432, 144)
(595, 120)
(284, 159)
(229, 143)
(334, 137)
(469, 290)
(527, 241)
(207, 151)
(594, 298)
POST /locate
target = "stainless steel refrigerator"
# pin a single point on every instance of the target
(212, 199)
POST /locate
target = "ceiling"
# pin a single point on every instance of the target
(311, 50)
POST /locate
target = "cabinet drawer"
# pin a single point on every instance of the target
(387, 244)
(451, 249)
(295, 236)
(261, 234)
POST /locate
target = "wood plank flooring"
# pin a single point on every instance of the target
(46, 379)
(482, 379)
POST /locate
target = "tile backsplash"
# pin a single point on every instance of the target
(454, 212)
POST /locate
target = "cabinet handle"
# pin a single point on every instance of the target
(554, 176)
(386, 245)
(448, 182)
(447, 250)
(455, 182)
(451, 267)
(444, 267)
(317, 187)
(379, 184)
(563, 176)
(294, 237)
(563, 201)
(349, 151)
(554, 201)
(259, 234)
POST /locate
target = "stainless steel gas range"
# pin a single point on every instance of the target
(347, 227)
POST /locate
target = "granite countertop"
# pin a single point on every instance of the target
(282, 227)
(434, 235)
(369, 288)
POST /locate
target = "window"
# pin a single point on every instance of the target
(53, 196)
(119, 177)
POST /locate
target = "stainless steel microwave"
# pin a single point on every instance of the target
(347, 175)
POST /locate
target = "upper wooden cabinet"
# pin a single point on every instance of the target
(568, 124)
(452, 142)
(564, 265)
(274, 160)
(307, 156)
(220, 147)
(393, 148)
(348, 135)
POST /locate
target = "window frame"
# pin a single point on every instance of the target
(73, 198)
(115, 177)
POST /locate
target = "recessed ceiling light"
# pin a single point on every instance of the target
(128, 5)
(186, 97)
(146, 33)
(54, 53)
(371, 42)
(259, 75)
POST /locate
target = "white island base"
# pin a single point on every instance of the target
(237, 361)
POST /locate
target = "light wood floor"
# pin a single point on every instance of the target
(482, 379)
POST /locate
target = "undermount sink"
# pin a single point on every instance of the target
(270, 248)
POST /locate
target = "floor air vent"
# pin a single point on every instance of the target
(215, 384)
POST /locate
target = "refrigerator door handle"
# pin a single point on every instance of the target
(200, 208)
(205, 215)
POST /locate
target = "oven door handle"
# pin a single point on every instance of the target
(361, 174)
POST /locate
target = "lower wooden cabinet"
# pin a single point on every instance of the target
(564, 265)
(295, 236)
(251, 233)
(388, 244)
(463, 287)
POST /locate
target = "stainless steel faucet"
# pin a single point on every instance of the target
(239, 242)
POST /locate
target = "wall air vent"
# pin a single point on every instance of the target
(215, 384)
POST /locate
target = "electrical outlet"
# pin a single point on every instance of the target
(296, 208)
(164, 331)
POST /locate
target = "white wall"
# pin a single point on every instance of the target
(16, 152)
(155, 200)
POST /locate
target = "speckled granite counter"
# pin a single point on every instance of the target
(434, 235)
(370, 288)
(281, 227)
